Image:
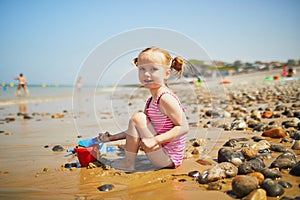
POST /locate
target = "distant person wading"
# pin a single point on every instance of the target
(22, 84)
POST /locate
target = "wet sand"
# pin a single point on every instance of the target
(31, 170)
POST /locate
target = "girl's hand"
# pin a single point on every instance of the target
(104, 137)
(149, 144)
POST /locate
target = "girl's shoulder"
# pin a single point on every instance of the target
(170, 102)
(168, 96)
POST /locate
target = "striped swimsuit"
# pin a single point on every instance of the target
(162, 123)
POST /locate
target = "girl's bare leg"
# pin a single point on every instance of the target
(131, 148)
(158, 157)
(140, 127)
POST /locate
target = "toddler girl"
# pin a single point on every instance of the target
(161, 129)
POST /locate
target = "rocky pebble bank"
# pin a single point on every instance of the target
(257, 167)
(260, 166)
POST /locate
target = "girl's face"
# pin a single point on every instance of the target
(152, 70)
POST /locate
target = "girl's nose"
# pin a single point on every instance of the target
(146, 73)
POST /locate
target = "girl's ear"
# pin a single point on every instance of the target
(168, 73)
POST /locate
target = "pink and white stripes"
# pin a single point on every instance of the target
(162, 123)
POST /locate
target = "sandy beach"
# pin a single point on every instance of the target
(30, 169)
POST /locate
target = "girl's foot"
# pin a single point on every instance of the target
(121, 165)
(126, 164)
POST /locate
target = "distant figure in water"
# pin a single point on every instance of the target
(79, 84)
(22, 84)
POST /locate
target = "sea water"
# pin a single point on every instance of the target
(40, 93)
(8, 95)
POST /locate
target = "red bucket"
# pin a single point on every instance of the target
(87, 155)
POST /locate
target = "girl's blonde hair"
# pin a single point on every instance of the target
(176, 63)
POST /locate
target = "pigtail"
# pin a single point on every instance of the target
(134, 61)
(177, 64)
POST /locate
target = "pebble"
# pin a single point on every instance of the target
(70, 165)
(58, 148)
(293, 123)
(267, 114)
(57, 116)
(226, 155)
(27, 117)
(280, 108)
(255, 115)
(284, 161)
(249, 152)
(257, 138)
(105, 187)
(278, 148)
(288, 113)
(236, 161)
(261, 145)
(270, 173)
(230, 143)
(258, 194)
(195, 151)
(295, 171)
(243, 185)
(46, 169)
(245, 145)
(194, 174)
(296, 136)
(285, 184)
(253, 165)
(10, 119)
(196, 144)
(296, 145)
(238, 124)
(275, 133)
(4, 172)
(260, 177)
(214, 186)
(272, 188)
(217, 172)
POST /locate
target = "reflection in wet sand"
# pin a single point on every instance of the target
(23, 109)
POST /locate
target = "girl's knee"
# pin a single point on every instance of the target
(139, 118)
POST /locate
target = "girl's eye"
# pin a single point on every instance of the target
(142, 69)
(154, 69)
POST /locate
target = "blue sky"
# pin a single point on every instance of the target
(48, 40)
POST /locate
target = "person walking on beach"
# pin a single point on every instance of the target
(79, 84)
(199, 81)
(161, 129)
(22, 84)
